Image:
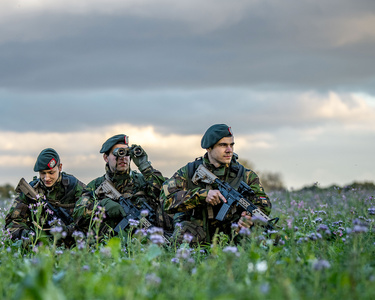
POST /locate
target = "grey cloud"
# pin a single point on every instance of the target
(180, 112)
(273, 45)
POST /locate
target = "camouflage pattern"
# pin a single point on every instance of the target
(19, 218)
(137, 186)
(188, 201)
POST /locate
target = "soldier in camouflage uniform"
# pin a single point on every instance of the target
(59, 189)
(196, 205)
(138, 187)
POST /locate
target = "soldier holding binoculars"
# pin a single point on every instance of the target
(138, 187)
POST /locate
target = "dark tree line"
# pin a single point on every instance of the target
(6, 191)
(271, 181)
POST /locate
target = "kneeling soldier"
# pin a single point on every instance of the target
(45, 205)
(139, 190)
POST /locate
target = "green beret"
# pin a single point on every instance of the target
(116, 139)
(47, 160)
(214, 134)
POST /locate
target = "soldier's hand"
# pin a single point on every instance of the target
(112, 209)
(140, 157)
(214, 197)
(245, 220)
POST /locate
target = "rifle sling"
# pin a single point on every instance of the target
(68, 190)
(58, 204)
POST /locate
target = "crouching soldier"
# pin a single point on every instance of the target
(196, 203)
(121, 192)
(44, 207)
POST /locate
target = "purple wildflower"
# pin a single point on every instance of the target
(106, 251)
(321, 264)
(183, 253)
(133, 222)
(85, 268)
(360, 229)
(153, 279)
(244, 231)
(56, 230)
(265, 288)
(231, 249)
(157, 239)
(156, 230)
(144, 213)
(187, 238)
(142, 232)
(175, 260)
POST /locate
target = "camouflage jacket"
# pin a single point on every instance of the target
(180, 196)
(136, 186)
(63, 195)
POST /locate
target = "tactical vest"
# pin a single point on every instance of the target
(207, 213)
(234, 182)
(69, 183)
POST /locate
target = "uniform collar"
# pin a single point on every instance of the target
(223, 169)
(117, 176)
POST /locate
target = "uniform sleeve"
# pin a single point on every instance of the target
(154, 181)
(261, 199)
(18, 217)
(80, 187)
(176, 197)
(85, 205)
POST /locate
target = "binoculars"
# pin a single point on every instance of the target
(121, 152)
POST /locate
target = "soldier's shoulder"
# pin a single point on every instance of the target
(136, 175)
(71, 180)
(93, 184)
(186, 170)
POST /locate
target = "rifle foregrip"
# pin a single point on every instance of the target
(222, 212)
(122, 225)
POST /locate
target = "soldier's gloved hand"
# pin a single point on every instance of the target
(140, 157)
(112, 209)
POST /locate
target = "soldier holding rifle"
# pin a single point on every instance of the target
(54, 193)
(121, 185)
(196, 202)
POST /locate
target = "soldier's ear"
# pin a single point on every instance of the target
(105, 157)
(60, 167)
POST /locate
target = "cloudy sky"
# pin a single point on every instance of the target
(294, 79)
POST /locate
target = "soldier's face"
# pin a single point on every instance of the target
(49, 177)
(121, 164)
(221, 152)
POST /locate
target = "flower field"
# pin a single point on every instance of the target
(325, 250)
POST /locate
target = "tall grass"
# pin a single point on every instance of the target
(326, 251)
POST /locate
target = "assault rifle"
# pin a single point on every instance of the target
(60, 213)
(234, 198)
(132, 212)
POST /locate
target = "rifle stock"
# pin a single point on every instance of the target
(25, 188)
